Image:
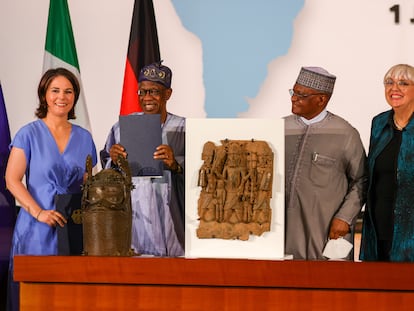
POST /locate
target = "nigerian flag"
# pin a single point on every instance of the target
(60, 51)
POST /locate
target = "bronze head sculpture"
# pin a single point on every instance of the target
(107, 212)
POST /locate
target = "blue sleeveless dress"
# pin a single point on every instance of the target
(48, 173)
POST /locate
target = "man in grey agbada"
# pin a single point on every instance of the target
(325, 169)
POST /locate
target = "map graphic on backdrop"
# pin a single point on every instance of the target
(252, 52)
(239, 39)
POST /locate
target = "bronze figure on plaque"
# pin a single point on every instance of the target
(236, 187)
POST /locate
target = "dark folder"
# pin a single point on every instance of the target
(141, 135)
(70, 237)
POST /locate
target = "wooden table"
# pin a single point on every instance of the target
(122, 283)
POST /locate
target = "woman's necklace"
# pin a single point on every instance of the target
(397, 126)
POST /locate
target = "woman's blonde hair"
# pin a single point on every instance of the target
(400, 72)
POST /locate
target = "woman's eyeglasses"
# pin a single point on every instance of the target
(402, 84)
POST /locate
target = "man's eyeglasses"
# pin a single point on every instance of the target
(302, 96)
(402, 84)
(151, 92)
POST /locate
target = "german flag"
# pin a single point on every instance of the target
(143, 49)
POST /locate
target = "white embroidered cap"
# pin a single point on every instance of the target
(316, 78)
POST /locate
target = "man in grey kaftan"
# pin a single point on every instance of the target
(325, 169)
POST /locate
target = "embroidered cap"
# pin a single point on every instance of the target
(316, 78)
(156, 72)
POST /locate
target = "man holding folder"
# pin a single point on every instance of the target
(157, 201)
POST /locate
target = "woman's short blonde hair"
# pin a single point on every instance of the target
(400, 72)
